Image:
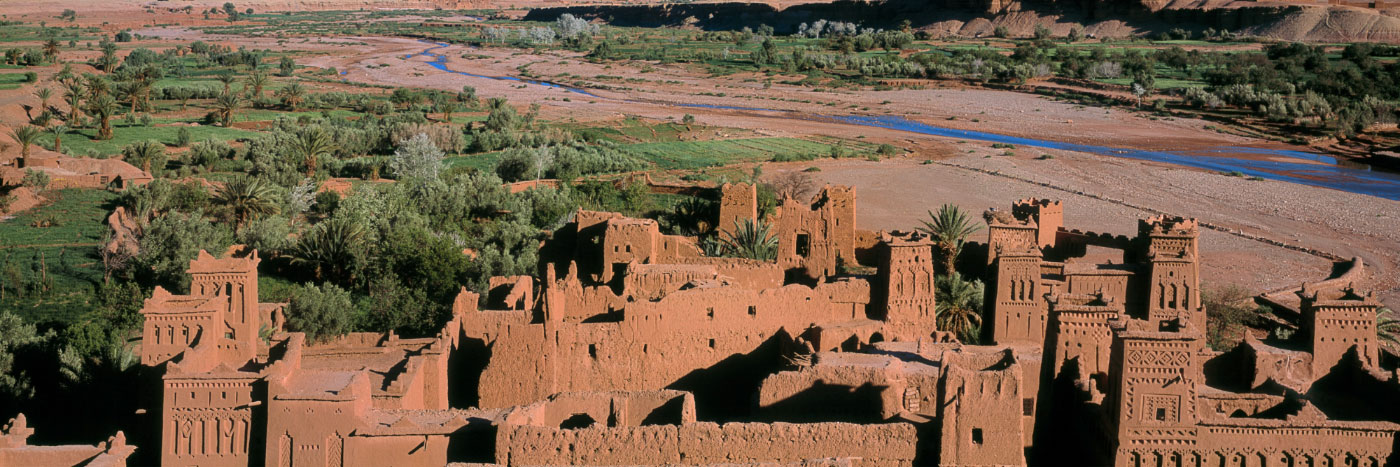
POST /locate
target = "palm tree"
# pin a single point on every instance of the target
(958, 306)
(103, 107)
(1388, 328)
(750, 239)
(246, 198)
(26, 136)
(73, 93)
(58, 131)
(257, 80)
(51, 49)
(225, 105)
(292, 95)
(310, 145)
(43, 94)
(330, 247)
(949, 229)
(146, 154)
(447, 106)
(228, 80)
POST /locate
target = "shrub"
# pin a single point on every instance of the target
(322, 312)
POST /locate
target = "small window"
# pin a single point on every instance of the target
(976, 436)
(753, 310)
(803, 245)
(712, 343)
(1161, 414)
(593, 351)
(1028, 406)
(710, 312)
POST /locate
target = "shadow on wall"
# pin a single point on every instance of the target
(474, 442)
(1066, 432)
(464, 367)
(728, 390)
(1350, 392)
(825, 402)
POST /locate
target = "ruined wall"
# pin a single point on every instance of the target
(815, 237)
(866, 388)
(656, 343)
(707, 443)
(738, 202)
(1049, 217)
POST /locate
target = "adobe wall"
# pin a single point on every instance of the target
(707, 443)
(393, 451)
(738, 202)
(980, 410)
(815, 237)
(904, 289)
(1019, 311)
(875, 391)
(656, 343)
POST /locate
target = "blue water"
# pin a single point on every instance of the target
(440, 62)
(1310, 169)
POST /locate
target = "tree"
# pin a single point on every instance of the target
(417, 158)
(228, 79)
(1075, 34)
(43, 94)
(286, 67)
(749, 239)
(1139, 90)
(182, 94)
(170, 241)
(958, 306)
(447, 106)
(26, 136)
(292, 95)
(225, 105)
(1388, 328)
(149, 155)
(949, 229)
(36, 179)
(309, 145)
(322, 312)
(1001, 32)
(109, 56)
(1041, 32)
(15, 336)
(256, 80)
(247, 198)
(333, 249)
(58, 131)
(103, 107)
(73, 94)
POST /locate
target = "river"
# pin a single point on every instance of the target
(1299, 167)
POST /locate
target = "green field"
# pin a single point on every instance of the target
(697, 154)
(59, 241)
(83, 141)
